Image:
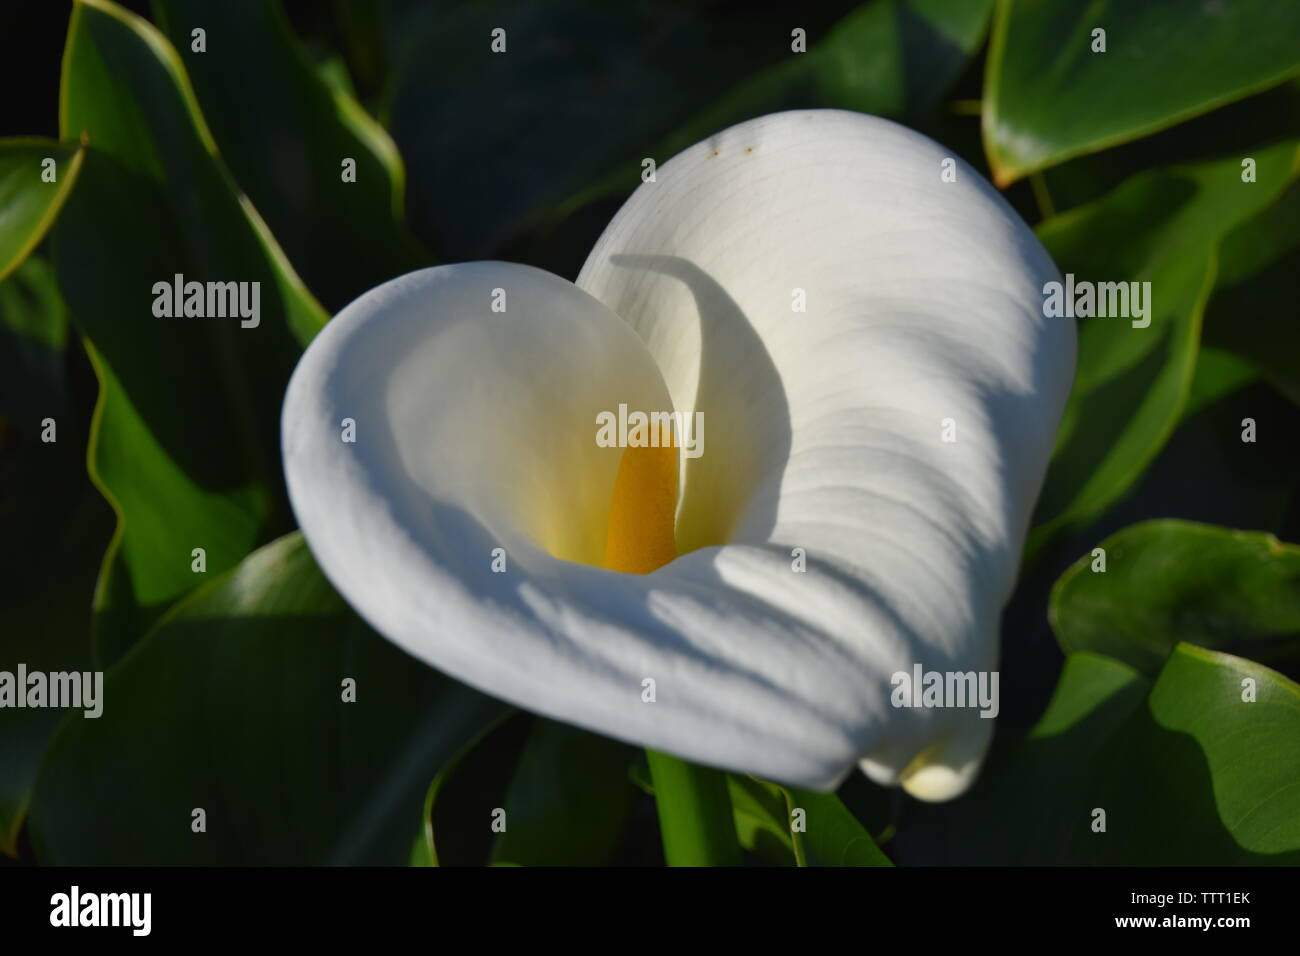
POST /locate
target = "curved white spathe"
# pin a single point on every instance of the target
(823, 431)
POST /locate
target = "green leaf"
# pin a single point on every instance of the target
(892, 58)
(1236, 484)
(1238, 129)
(462, 800)
(1252, 313)
(568, 799)
(29, 204)
(566, 796)
(592, 89)
(1186, 771)
(1252, 749)
(766, 815)
(185, 443)
(1132, 383)
(762, 819)
(420, 855)
(1218, 374)
(235, 704)
(572, 76)
(34, 323)
(359, 35)
(55, 523)
(834, 836)
(1204, 473)
(1049, 97)
(1170, 581)
(285, 135)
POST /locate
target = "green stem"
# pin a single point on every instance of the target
(695, 816)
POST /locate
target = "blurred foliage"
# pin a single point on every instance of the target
(227, 163)
(1162, 758)
(277, 124)
(153, 172)
(1165, 229)
(235, 703)
(55, 524)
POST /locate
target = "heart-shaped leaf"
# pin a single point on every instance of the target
(1056, 88)
(1164, 581)
(265, 702)
(1197, 768)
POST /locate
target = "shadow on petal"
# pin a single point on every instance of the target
(730, 492)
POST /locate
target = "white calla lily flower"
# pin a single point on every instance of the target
(823, 446)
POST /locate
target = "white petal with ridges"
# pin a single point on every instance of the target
(923, 303)
(822, 432)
